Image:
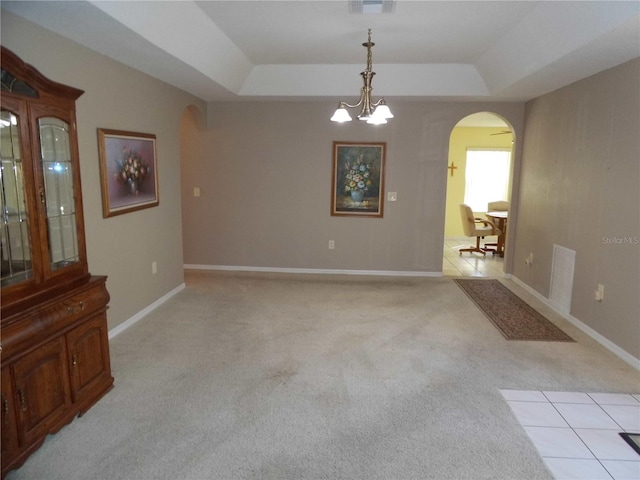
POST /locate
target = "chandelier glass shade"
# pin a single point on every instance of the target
(375, 113)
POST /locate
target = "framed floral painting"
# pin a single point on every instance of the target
(128, 171)
(358, 179)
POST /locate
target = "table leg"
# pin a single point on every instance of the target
(502, 225)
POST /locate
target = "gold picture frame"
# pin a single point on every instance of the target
(128, 171)
(357, 188)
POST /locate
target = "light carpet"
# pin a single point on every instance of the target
(265, 376)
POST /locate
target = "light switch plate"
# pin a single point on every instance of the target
(392, 196)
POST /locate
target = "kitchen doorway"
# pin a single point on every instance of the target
(483, 131)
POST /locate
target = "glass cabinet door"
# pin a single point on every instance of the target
(42, 240)
(59, 195)
(14, 235)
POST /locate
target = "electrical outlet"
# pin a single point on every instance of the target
(154, 267)
(332, 245)
(196, 191)
(599, 295)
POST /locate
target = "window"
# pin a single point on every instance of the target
(486, 177)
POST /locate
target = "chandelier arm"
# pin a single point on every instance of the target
(345, 104)
(369, 108)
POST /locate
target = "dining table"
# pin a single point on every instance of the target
(499, 218)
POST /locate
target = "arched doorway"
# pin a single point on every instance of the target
(192, 162)
(479, 133)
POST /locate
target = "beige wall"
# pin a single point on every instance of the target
(264, 170)
(463, 138)
(580, 189)
(117, 97)
(265, 186)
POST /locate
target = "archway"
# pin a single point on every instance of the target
(482, 131)
(192, 162)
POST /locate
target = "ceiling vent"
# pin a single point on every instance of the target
(372, 6)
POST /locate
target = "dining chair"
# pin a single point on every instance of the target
(477, 227)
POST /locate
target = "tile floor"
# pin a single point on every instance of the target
(577, 434)
(469, 264)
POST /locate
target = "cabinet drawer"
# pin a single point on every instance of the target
(54, 317)
(79, 306)
(71, 308)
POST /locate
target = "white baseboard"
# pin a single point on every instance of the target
(131, 321)
(319, 271)
(605, 342)
(145, 311)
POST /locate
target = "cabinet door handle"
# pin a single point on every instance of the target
(74, 360)
(5, 409)
(23, 403)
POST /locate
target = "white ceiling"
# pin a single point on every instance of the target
(301, 50)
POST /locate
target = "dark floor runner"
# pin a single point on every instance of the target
(515, 319)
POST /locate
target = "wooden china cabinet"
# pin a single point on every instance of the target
(53, 324)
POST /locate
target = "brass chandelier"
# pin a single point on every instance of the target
(375, 113)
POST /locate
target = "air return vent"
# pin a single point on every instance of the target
(562, 269)
(372, 6)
